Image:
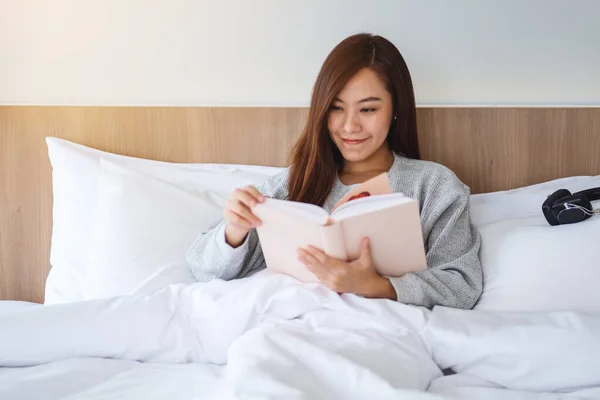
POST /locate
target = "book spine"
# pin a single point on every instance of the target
(333, 240)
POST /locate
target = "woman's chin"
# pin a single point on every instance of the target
(355, 155)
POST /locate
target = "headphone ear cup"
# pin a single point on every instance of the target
(579, 209)
(551, 213)
(583, 201)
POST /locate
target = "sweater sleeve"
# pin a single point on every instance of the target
(210, 257)
(453, 277)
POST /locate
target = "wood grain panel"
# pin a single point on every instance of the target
(489, 149)
(504, 148)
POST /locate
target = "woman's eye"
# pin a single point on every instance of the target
(335, 108)
(368, 110)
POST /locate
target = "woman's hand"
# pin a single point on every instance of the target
(239, 216)
(358, 276)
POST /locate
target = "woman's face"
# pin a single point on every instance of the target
(360, 117)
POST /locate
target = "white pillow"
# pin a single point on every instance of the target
(75, 174)
(529, 265)
(142, 231)
(522, 202)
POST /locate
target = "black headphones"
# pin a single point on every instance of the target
(563, 207)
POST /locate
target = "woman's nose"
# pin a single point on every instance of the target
(352, 123)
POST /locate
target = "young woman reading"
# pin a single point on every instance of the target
(361, 122)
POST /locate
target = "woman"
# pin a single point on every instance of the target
(361, 122)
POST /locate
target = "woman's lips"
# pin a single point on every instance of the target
(354, 141)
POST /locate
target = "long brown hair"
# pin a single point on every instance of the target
(315, 159)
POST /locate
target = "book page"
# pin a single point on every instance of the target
(301, 210)
(369, 204)
(373, 187)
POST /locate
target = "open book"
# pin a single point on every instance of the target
(390, 220)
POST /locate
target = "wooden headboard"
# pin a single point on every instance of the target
(488, 148)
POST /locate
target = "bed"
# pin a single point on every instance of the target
(78, 185)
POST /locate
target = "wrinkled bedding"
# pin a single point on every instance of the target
(270, 336)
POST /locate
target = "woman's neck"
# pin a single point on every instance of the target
(382, 160)
(360, 171)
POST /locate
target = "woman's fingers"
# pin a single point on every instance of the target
(307, 257)
(258, 196)
(318, 254)
(238, 210)
(244, 212)
(246, 197)
(237, 220)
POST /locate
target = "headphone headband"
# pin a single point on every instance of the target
(592, 194)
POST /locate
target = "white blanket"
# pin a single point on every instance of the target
(277, 338)
(466, 387)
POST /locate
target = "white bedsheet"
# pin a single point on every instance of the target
(271, 337)
(7, 306)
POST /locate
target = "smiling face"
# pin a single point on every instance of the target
(360, 117)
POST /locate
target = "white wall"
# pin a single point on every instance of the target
(268, 52)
